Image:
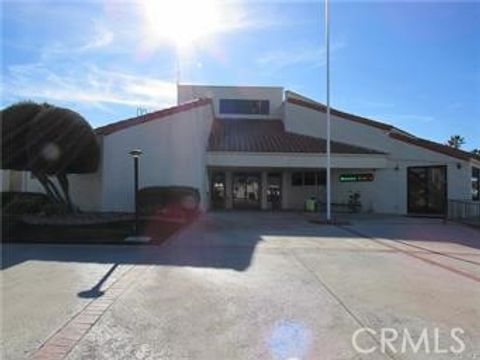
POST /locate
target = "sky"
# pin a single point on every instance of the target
(415, 65)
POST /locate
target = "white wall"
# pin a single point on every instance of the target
(272, 94)
(388, 193)
(86, 191)
(296, 195)
(292, 160)
(174, 150)
(12, 180)
(306, 121)
(375, 196)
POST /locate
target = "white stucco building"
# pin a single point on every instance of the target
(263, 147)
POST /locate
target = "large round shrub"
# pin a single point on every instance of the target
(170, 200)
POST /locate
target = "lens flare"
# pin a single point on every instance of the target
(183, 21)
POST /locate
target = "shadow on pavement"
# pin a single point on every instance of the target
(229, 239)
(95, 291)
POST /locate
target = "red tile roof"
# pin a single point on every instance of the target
(252, 135)
(120, 125)
(270, 136)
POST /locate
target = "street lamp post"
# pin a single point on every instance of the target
(136, 153)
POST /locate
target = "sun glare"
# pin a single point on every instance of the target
(183, 21)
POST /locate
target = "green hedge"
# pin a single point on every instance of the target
(22, 203)
(16, 203)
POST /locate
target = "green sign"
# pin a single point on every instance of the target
(356, 177)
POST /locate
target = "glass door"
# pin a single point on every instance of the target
(218, 190)
(427, 190)
(274, 191)
(246, 190)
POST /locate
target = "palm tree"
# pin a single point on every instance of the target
(456, 141)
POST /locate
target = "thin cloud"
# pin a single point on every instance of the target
(96, 87)
(65, 73)
(102, 37)
(313, 56)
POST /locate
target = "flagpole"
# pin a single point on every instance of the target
(327, 54)
(177, 67)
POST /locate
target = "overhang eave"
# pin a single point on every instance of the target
(295, 160)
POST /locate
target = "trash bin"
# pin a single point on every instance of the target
(310, 204)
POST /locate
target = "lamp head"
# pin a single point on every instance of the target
(136, 152)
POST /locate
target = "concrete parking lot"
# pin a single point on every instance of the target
(249, 285)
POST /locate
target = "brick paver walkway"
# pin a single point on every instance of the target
(61, 343)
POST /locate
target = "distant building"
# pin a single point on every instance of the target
(263, 148)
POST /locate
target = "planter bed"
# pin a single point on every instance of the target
(69, 231)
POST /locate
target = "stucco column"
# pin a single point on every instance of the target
(284, 190)
(15, 180)
(4, 179)
(263, 191)
(228, 190)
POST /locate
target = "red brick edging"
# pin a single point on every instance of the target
(61, 343)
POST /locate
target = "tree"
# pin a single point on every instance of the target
(476, 151)
(16, 120)
(50, 142)
(456, 141)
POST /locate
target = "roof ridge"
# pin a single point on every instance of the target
(333, 141)
(393, 131)
(293, 134)
(219, 118)
(443, 148)
(315, 105)
(272, 139)
(230, 86)
(155, 115)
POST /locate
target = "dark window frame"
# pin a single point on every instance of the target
(412, 206)
(244, 107)
(294, 178)
(309, 178)
(319, 178)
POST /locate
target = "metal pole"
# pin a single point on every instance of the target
(135, 169)
(177, 67)
(327, 54)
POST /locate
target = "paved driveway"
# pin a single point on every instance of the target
(249, 286)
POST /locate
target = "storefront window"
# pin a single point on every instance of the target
(297, 179)
(321, 178)
(310, 178)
